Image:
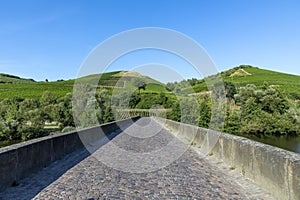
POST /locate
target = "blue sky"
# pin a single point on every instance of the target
(50, 39)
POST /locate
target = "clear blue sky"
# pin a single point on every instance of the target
(50, 39)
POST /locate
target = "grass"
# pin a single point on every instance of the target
(11, 86)
(10, 79)
(288, 84)
(154, 88)
(101, 80)
(35, 89)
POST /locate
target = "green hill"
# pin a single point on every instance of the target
(11, 79)
(288, 84)
(11, 85)
(35, 89)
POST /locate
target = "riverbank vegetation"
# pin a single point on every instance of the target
(254, 104)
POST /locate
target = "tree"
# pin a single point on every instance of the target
(29, 104)
(108, 115)
(230, 90)
(218, 90)
(170, 86)
(8, 130)
(100, 108)
(4, 105)
(177, 90)
(4, 131)
(31, 132)
(189, 111)
(232, 122)
(192, 81)
(245, 93)
(162, 98)
(47, 99)
(134, 100)
(122, 99)
(205, 111)
(264, 112)
(139, 84)
(176, 112)
(83, 106)
(62, 111)
(12, 112)
(272, 102)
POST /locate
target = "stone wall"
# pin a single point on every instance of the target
(20, 160)
(274, 169)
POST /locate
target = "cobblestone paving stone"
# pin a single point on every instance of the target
(189, 177)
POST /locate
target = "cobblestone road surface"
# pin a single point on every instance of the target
(83, 176)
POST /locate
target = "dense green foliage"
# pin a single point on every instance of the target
(266, 111)
(23, 119)
(258, 102)
(30, 109)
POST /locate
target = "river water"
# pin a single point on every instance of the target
(291, 143)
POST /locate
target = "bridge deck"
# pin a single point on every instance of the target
(83, 176)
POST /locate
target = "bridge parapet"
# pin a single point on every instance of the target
(272, 168)
(20, 160)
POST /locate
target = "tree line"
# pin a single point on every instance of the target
(23, 119)
(249, 110)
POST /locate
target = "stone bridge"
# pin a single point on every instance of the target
(147, 158)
